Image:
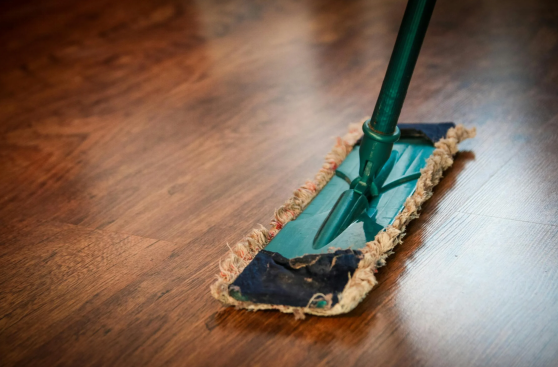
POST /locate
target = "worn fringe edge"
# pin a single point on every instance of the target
(375, 252)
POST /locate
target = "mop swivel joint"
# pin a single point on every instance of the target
(375, 150)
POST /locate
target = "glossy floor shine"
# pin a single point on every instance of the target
(138, 138)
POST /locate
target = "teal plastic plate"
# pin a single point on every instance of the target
(296, 238)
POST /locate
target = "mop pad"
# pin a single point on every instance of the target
(335, 282)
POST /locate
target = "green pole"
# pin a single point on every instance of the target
(401, 65)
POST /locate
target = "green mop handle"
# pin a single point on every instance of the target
(381, 131)
(401, 65)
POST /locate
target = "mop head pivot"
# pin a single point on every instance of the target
(282, 268)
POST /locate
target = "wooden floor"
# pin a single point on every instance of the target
(138, 138)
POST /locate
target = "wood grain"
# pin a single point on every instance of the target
(137, 138)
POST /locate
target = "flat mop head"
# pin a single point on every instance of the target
(285, 268)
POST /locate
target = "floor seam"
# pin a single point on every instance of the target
(511, 219)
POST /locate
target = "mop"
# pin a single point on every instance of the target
(327, 241)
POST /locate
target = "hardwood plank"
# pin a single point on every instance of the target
(69, 274)
(525, 188)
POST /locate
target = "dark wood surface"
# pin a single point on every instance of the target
(137, 138)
